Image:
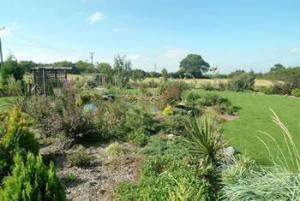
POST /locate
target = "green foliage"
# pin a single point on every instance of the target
(175, 124)
(138, 137)
(204, 139)
(16, 139)
(164, 74)
(13, 86)
(115, 149)
(193, 64)
(122, 69)
(11, 68)
(138, 124)
(32, 180)
(166, 178)
(296, 92)
(221, 104)
(109, 118)
(242, 82)
(158, 146)
(79, 158)
(170, 93)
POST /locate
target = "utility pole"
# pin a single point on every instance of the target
(154, 67)
(1, 54)
(92, 57)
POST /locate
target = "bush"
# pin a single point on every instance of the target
(296, 92)
(170, 92)
(11, 68)
(79, 158)
(16, 139)
(223, 105)
(115, 149)
(168, 110)
(136, 119)
(242, 82)
(109, 119)
(166, 178)
(32, 180)
(13, 87)
(138, 137)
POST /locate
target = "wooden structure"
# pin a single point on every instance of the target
(45, 79)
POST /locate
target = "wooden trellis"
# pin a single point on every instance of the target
(45, 79)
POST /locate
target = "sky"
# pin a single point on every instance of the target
(229, 34)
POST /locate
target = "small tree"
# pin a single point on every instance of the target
(16, 139)
(164, 74)
(122, 69)
(11, 68)
(33, 181)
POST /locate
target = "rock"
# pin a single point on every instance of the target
(171, 136)
(229, 151)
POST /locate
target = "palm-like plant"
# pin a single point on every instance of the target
(204, 139)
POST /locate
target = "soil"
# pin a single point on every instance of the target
(99, 180)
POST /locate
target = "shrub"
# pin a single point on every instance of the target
(175, 124)
(204, 139)
(168, 110)
(11, 68)
(32, 180)
(109, 119)
(16, 139)
(13, 87)
(115, 149)
(223, 105)
(170, 92)
(136, 118)
(41, 109)
(79, 158)
(166, 177)
(138, 137)
(296, 92)
(160, 147)
(242, 82)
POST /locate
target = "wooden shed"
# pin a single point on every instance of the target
(45, 79)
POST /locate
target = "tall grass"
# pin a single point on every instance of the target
(255, 182)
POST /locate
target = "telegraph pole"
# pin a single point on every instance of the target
(1, 54)
(92, 57)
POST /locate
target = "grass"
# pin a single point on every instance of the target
(255, 117)
(6, 101)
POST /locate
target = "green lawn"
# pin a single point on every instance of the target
(255, 116)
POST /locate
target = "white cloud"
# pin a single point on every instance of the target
(174, 53)
(95, 17)
(295, 50)
(134, 57)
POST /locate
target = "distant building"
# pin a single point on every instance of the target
(46, 79)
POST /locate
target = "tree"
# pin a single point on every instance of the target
(104, 68)
(193, 64)
(138, 74)
(11, 68)
(164, 74)
(277, 67)
(84, 67)
(27, 65)
(122, 69)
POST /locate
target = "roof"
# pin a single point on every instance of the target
(51, 68)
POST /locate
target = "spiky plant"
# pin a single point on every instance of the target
(204, 139)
